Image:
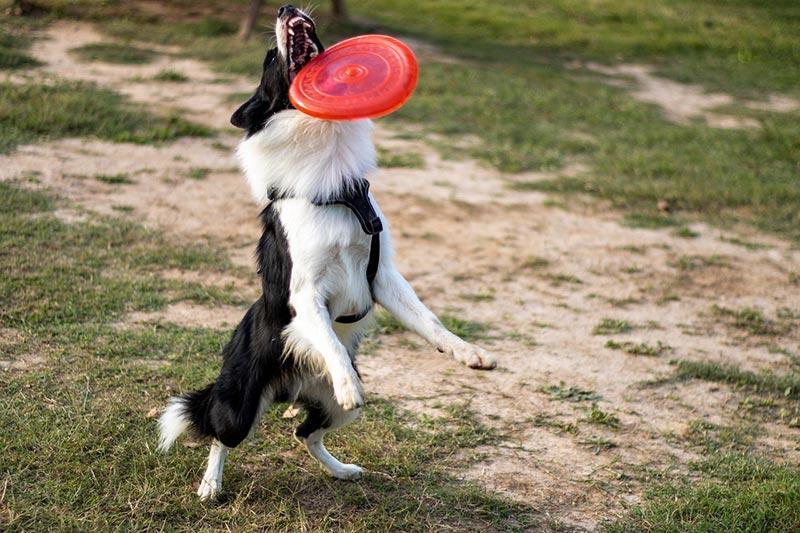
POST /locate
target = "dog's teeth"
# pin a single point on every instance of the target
(291, 31)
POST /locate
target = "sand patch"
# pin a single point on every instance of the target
(683, 102)
(16, 361)
(191, 316)
(203, 99)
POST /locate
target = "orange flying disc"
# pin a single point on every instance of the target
(363, 77)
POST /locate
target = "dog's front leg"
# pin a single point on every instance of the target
(394, 293)
(313, 324)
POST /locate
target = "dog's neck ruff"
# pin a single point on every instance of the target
(355, 198)
(303, 157)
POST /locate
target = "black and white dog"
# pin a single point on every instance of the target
(325, 256)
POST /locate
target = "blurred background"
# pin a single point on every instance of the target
(605, 193)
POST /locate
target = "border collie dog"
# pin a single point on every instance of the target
(324, 258)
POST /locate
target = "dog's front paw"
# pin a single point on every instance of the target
(475, 357)
(348, 392)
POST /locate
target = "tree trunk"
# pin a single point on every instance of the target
(249, 23)
(338, 9)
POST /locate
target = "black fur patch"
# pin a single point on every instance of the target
(316, 418)
(253, 359)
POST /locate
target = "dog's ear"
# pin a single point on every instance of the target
(250, 113)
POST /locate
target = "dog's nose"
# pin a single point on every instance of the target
(288, 9)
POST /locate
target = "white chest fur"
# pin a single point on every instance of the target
(329, 254)
(298, 155)
(311, 160)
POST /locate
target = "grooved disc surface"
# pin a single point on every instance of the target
(363, 77)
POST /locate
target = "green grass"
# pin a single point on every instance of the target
(210, 39)
(387, 324)
(535, 263)
(114, 179)
(30, 113)
(641, 348)
(685, 232)
(123, 54)
(753, 321)
(469, 330)
(57, 274)
(749, 245)
(598, 444)
(745, 44)
(14, 50)
(171, 75)
(713, 438)
(565, 393)
(391, 159)
(602, 418)
(198, 173)
(101, 459)
(558, 280)
(736, 492)
(697, 262)
(649, 220)
(79, 450)
(482, 296)
(765, 382)
(793, 357)
(611, 326)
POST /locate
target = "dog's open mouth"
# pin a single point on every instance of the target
(301, 42)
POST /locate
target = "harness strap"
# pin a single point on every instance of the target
(357, 200)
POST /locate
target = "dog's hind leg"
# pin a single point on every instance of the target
(311, 432)
(211, 484)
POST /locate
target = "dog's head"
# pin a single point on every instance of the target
(297, 44)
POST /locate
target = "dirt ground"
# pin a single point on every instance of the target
(540, 274)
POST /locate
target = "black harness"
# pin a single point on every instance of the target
(355, 198)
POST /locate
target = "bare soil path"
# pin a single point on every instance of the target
(539, 275)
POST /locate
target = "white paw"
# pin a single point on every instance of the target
(475, 357)
(348, 472)
(209, 489)
(348, 392)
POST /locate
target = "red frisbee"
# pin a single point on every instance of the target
(362, 77)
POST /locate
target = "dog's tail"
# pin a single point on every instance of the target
(187, 412)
